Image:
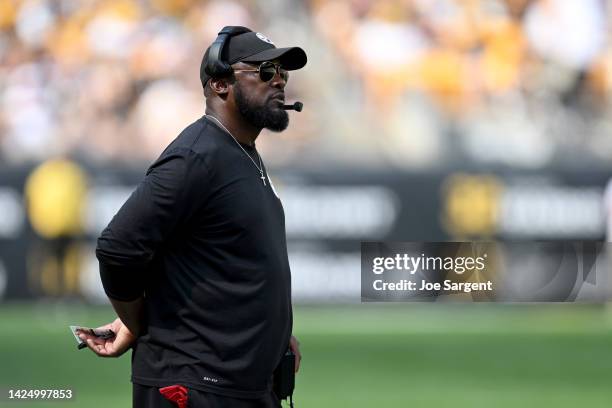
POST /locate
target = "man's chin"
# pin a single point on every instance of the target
(276, 127)
(278, 119)
(270, 116)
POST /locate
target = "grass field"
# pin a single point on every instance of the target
(364, 355)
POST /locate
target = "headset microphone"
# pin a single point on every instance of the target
(297, 106)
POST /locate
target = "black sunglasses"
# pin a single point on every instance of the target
(267, 70)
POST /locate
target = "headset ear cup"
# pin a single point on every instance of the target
(215, 66)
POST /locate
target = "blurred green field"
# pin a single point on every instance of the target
(364, 355)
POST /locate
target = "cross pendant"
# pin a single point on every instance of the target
(263, 179)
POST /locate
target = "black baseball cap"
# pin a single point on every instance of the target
(255, 47)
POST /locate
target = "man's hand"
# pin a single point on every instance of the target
(110, 347)
(294, 345)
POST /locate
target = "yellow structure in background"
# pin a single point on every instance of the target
(55, 194)
(471, 204)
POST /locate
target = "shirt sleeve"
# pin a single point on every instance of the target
(173, 189)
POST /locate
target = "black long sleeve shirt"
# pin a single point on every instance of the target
(204, 238)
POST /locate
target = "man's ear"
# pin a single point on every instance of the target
(220, 86)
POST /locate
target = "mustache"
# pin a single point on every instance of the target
(278, 95)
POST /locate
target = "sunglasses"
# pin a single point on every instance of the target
(267, 70)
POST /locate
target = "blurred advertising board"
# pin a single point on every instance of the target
(51, 214)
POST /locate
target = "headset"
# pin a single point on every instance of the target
(215, 66)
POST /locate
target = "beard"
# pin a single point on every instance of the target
(261, 116)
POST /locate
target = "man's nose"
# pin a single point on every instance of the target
(277, 81)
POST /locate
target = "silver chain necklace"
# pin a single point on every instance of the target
(260, 167)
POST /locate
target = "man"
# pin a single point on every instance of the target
(195, 262)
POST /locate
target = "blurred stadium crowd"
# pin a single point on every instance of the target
(405, 83)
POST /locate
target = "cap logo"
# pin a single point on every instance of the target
(264, 38)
